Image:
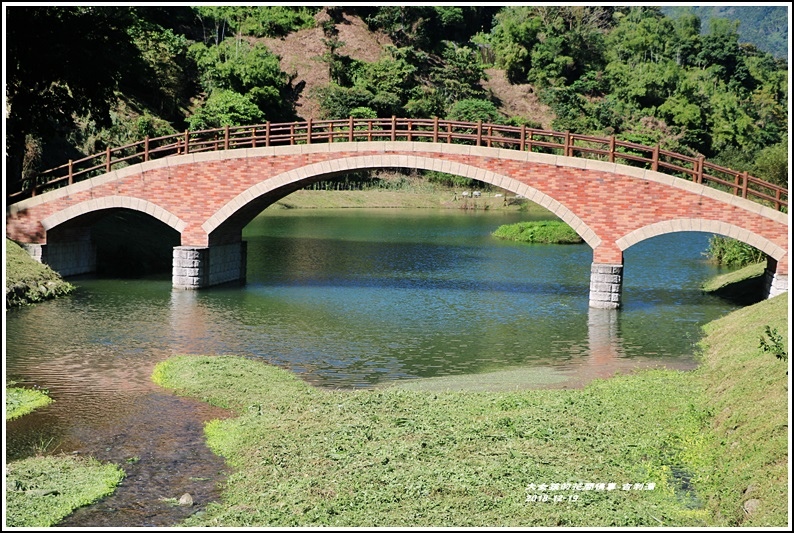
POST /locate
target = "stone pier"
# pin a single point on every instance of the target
(606, 285)
(197, 267)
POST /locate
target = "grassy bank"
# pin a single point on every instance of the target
(309, 457)
(420, 197)
(41, 491)
(21, 401)
(541, 232)
(28, 281)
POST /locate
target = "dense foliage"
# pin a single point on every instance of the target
(83, 78)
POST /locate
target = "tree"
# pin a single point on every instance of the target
(225, 107)
(473, 110)
(61, 62)
(253, 71)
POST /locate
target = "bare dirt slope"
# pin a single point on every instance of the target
(300, 54)
(517, 99)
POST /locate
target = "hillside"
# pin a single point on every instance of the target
(631, 72)
(300, 54)
(764, 26)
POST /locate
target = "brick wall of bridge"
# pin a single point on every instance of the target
(611, 205)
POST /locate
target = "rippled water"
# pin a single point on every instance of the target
(345, 299)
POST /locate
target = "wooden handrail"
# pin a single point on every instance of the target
(398, 129)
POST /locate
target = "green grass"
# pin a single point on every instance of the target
(28, 281)
(308, 457)
(541, 232)
(709, 439)
(40, 491)
(20, 401)
(749, 272)
(747, 396)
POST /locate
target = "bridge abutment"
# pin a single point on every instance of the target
(198, 267)
(775, 280)
(606, 285)
(69, 258)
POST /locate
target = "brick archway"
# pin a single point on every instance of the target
(210, 196)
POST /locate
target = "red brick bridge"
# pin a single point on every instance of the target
(209, 185)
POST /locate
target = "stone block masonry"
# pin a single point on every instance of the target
(606, 285)
(198, 267)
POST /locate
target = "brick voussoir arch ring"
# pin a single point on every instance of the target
(112, 202)
(338, 166)
(704, 225)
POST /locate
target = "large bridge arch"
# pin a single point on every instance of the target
(273, 189)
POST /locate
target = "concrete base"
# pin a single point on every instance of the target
(197, 267)
(774, 283)
(66, 258)
(606, 285)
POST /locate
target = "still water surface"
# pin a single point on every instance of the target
(345, 299)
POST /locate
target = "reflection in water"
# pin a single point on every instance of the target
(344, 300)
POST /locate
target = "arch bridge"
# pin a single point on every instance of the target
(208, 185)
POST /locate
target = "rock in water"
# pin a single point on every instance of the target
(186, 499)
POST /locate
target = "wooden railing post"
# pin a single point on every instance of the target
(393, 128)
(611, 148)
(655, 159)
(567, 143)
(146, 148)
(435, 129)
(71, 175)
(523, 137)
(187, 142)
(309, 131)
(449, 133)
(350, 136)
(479, 132)
(107, 159)
(745, 184)
(292, 133)
(267, 133)
(226, 137)
(699, 170)
(253, 137)
(529, 140)
(409, 130)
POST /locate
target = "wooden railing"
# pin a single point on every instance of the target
(406, 129)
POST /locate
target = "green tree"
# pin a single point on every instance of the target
(225, 107)
(62, 62)
(460, 75)
(472, 110)
(250, 70)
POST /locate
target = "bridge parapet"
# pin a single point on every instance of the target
(567, 144)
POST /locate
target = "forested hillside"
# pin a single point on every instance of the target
(763, 26)
(84, 78)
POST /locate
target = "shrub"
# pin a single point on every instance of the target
(729, 252)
